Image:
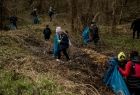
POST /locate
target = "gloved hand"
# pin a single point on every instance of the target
(59, 41)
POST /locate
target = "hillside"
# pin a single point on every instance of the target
(27, 65)
(27, 69)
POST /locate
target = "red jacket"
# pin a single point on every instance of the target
(127, 70)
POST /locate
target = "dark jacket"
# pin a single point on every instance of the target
(34, 14)
(94, 33)
(47, 33)
(64, 41)
(13, 19)
(136, 25)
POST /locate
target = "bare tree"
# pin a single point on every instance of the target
(1, 14)
(73, 14)
(114, 6)
(123, 4)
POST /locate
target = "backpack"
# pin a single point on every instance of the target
(132, 81)
(135, 60)
(132, 68)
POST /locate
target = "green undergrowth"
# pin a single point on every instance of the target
(13, 83)
(121, 41)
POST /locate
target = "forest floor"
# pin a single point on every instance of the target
(28, 68)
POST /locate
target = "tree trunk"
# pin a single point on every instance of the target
(1, 14)
(73, 14)
(90, 14)
(113, 29)
(122, 8)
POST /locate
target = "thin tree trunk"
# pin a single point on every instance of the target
(1, 14)
(122, 8)
(73, 14)
(90, 14)
(15, 7)
(114, 17)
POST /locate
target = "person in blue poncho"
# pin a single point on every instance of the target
(90, 34)
(61, 44)
(56, 46)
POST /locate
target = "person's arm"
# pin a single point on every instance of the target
(127, 69)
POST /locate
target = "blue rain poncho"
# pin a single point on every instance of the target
(56, 45)
(85, 35)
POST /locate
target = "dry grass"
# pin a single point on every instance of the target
(26, 57)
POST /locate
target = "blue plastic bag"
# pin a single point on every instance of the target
(36, 20)
(114, 79)
(12, 26)
(85, 35)
(56, 45)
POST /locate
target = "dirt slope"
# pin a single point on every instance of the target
(82, 76)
